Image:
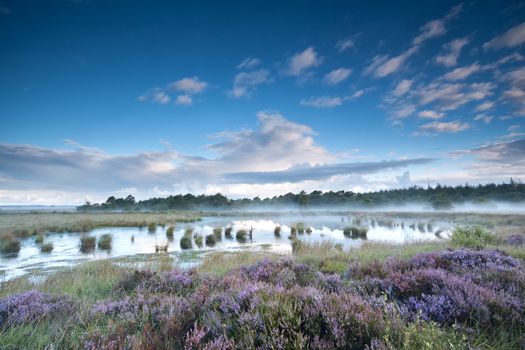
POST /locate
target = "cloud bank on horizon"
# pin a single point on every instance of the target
(440, 99)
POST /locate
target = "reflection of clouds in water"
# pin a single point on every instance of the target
(324, 228)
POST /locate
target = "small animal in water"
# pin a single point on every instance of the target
(161, 248)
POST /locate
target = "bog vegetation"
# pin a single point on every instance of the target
(462, 294)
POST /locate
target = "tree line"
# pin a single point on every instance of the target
(438, 197)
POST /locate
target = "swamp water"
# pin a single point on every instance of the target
(66, 246)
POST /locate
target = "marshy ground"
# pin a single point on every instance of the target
(462, 292)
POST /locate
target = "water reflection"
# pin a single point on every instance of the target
(128, 241)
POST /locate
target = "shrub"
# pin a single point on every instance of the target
(277, 231)
(211, 240)
(228, 232)
(308, 230)
(169, 233)
(9, 244)
(355, 232)
(39, 238)
(515, 240)
(300, 227)
(46, 247)
(32, 306)
(198, 241)
(104, 242)
(293, 230)
(185, 242)
(473, 236)
(242, 236)
(152, 227)
(87, 244)
(217, 231)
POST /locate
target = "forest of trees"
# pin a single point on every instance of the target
(438, 197)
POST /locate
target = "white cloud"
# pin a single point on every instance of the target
(156, 95)
(303, 61)
(485, 106)
(444, 127)
(451, 96)
(322, 101)
(402, 87)
(249, 62)
(461, 73)
(185, 100)
(337, 76)
(452, 51)
(245, 83)
(190, 85)
(483, 117)
(513, 37)
(430, 30)
(345, 44)
(383, 65)
(428, 114)
(404, 111)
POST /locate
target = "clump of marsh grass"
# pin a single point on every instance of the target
(46, 247)
(242, 236)
(152, 227)
(185, 241)
(39, 238)
(211, 240)
(277, 231)
(169, 233)
(228, 232)
(104, 242)
(355, 232)
(9, 244)
(87, 244)
(198, 240)
(293, 230)
(217, 232)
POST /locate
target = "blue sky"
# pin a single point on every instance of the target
(256, 98)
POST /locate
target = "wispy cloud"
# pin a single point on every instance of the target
(337, 76)
(322, 101)
(383, 65)
(451, 53)
(156, 95)
(302, 62)
(429, 114)
(345, 44)
(190, 85)
(512, 38)
(245, 83)
(184, 100)
(402, 87)
(249, 63)
(443, 127)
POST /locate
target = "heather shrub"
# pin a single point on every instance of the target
(104, 242)
(32, 306)
(473, 236)
(515, 240)
(87, 243)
